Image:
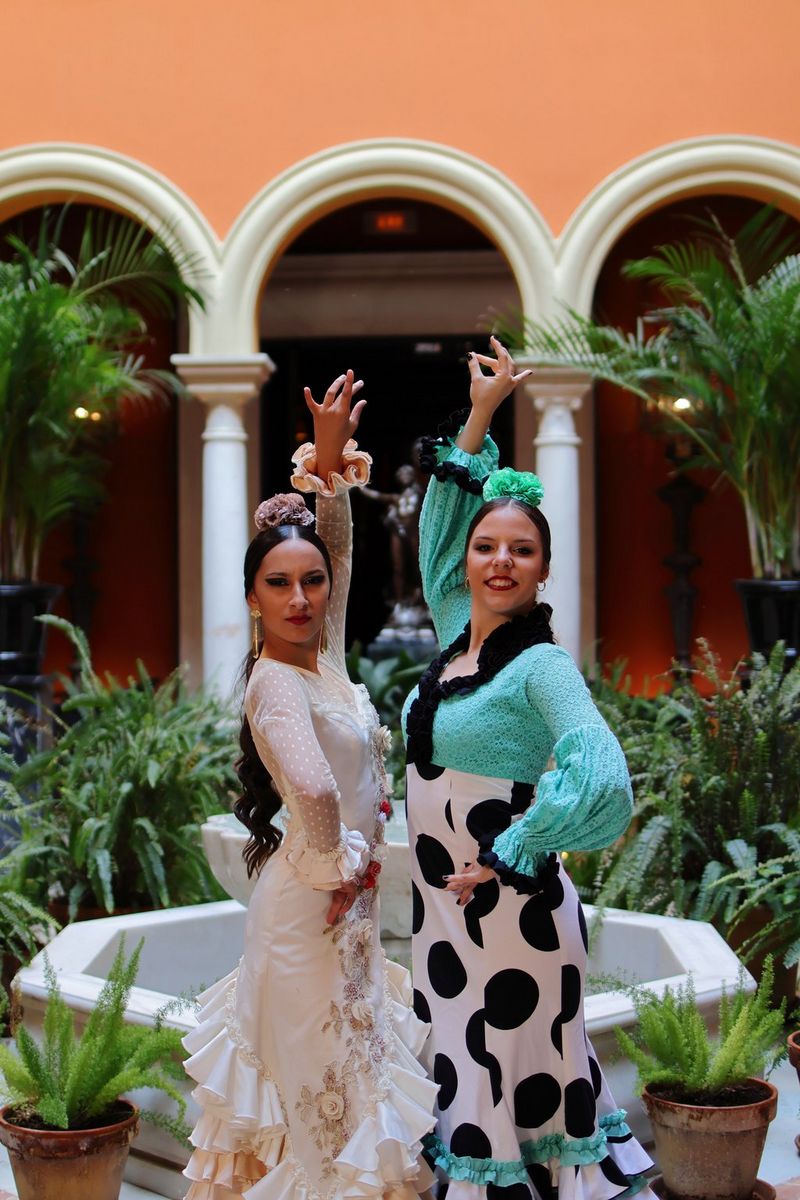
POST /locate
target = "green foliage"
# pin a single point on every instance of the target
(109, 814)
(716, 777)
(388, 681)
(773, 885)
(69, 340)
(672, 1045)
(729, 340)
(71, 1080)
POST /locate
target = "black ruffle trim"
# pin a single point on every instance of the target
(429, 461)
(499, 649)
(539, 884)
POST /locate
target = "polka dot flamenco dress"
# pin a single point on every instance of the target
(523, 1109)
(305, 1056)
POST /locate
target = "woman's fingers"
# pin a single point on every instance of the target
(355, 415)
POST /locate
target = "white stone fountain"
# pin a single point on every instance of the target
(186, 949)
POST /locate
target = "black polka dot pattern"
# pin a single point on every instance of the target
(580, 1110)
(510, 998)
(488, 818)
(417, 908)
(597, 1078)
(448, 815)
(536, 1100)
(521, 796)
(445, 1074)
(582, 927)
(514, 1191)
(537, 926)
(613, 1173)
(484, 900)
(421, 1007)
(539, 1176)
(475, 1038)
(446, 970)
(434, 860)
(469, 1141)
(570, 1003)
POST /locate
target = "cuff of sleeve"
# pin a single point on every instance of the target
(526, 883)
(327, 870)
(447, 462)
(355, 470)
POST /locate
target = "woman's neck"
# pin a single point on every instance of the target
(480, 626)
(303, 656)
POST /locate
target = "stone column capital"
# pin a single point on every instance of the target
(560, 386)
(231, 381)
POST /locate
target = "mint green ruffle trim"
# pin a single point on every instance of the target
(570, 1152)
(508, 848)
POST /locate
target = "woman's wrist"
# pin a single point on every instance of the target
(476, 427)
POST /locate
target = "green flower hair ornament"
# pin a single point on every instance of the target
(520, 485)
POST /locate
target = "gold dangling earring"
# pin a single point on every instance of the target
(258, 633)
(323, 639)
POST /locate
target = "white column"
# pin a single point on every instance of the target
(557, 393)
(224, 386)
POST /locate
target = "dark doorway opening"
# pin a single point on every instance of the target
(412, 384)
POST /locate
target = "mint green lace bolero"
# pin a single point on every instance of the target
(535, 707)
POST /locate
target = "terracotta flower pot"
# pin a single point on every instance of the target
(69, 1164)
(708, 1153)
(761, 1189)
(793, 1042)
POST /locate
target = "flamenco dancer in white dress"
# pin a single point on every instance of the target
(304, 1056)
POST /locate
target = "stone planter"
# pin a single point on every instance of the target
(69, 1164)
(708, 1153)
(761, 1189)
(793, 1042)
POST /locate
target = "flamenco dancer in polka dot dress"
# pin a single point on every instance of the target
(499, 946)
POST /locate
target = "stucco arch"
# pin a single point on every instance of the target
(346, 173)
(751, 166)
(57, 171)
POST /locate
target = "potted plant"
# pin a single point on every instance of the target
(71, 329)
(66, 1126)
(704, 1095)
(108, 816)
(721, 359)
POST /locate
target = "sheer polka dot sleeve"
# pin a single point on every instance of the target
(277, 707)
(335, 527)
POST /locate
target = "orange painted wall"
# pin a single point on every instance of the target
(222, 97)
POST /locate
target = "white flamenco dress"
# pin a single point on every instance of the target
(305, 1055)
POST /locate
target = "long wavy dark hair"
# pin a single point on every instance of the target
(259, 801)
(534, 515)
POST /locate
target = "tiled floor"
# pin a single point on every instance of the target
(780, 1164)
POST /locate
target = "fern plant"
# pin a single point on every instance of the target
(672, 1048)
(716, 775)
(775, 885)
(73, 1082)
(109, 815)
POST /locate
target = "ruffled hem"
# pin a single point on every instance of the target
(605, 1165)
(329, 869)
(355, 472)
(241, 1143)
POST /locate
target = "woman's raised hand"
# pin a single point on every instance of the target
(487, 392)
(334, 421)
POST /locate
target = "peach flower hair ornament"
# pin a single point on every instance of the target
(287, 508)
(519, 485)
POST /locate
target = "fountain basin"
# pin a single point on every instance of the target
(187, 949)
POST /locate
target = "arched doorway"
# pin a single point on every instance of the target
(118, 564)
(635, 461)
(400, 289)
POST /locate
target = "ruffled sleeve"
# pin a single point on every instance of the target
(453, 497)
(335, 527)
(585, 803)
(325, 853)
